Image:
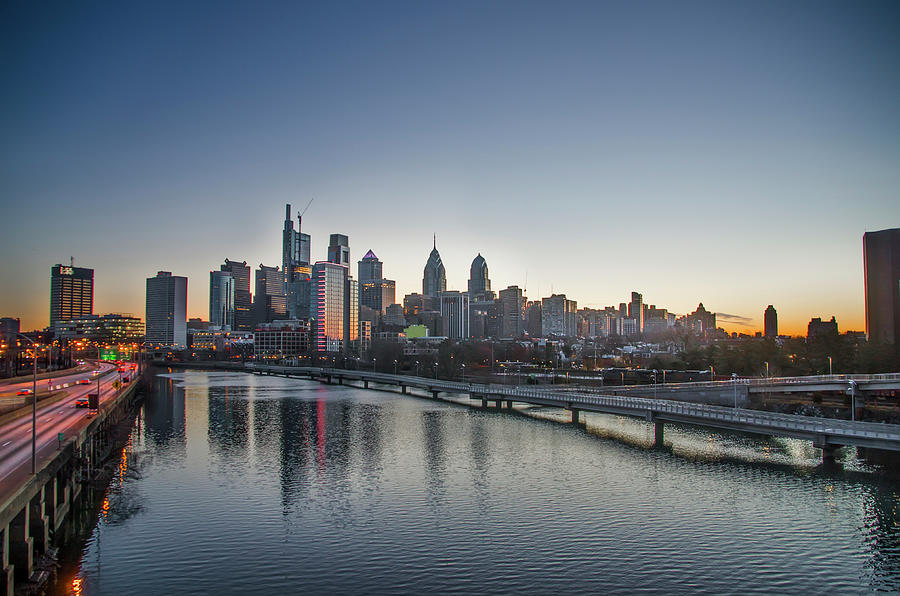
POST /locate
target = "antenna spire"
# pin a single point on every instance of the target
(435, 242)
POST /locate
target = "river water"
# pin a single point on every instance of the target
(237, 484)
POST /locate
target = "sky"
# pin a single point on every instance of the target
(732, 153)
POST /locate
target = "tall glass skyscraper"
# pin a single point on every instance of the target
(479, 282)
(434, 280)
(881, 261)
(329, 292)
(166, 314)
(221, 299)
(240, 271)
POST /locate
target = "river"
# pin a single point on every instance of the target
(232, 483)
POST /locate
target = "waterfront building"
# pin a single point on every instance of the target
(369, 268)
(166, 310)
(512, 312)
(770, 322)
(455, 314)
(282, 339)
(71, 292)
(881, 263)
(479, 282)
(111, 328)
(240, 271)
(365, 336)
(221, 299)
(434, 279)
(329, 292)
(558, 316)
(339, 250)
(269, 301)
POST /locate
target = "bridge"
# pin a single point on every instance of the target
(827, 434)
(740, 389)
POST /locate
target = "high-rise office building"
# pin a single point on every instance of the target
(455, 314)
(269, 301)
(512, 312)
(378, 294)
(339, 250)
(558, 316)
(479, 282)
(166, 310)
(240, 271)
(636, 312)
(881, 262)
(370, 268)
(330, 290)
(221, 299)
(71, 292)
(434, 280)
(294, 248)
(770, 322)
(351, 314)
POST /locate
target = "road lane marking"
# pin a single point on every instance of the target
(6, 443)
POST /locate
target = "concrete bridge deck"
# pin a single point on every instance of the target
(826, 433)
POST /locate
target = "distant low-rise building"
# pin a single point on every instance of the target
(111, 328)
(282, 339)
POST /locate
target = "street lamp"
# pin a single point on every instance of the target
(734, 382)
(654, 383)
(767, 369)
(464, 372)
(374, 360)
(33, 401)
(395, 367)
(829, 365)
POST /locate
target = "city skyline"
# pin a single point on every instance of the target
(593, 151)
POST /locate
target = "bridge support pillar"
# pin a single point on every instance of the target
(508, 405)
(658, 434)
(340, 380)
(39, 526)
(829, 450)
(365, 384)
(576, 418)
(434, 394)
(21, 546)
(403, 389)
(484, 403)
(7, 583)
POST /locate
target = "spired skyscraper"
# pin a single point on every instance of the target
(295, 267)
(479, 282)
(434, 280)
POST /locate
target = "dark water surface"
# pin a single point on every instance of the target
(237, 484)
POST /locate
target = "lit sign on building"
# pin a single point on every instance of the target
(66, 271)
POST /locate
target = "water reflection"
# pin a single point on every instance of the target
(287, 483)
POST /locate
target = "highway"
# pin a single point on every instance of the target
(59, 417)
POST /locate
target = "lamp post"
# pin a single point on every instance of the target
(374, 360)
(33, 401)
(654, 383)
(767, 369)
(829, 365)
(464, 372)
(734, 382)
(395, 367)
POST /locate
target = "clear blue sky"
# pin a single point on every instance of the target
(731, 152)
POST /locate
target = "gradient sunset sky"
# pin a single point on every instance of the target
(724, 152)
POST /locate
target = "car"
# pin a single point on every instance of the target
(23, 392)
(82, 402)
(84, 382)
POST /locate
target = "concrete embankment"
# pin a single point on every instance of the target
(33, 511)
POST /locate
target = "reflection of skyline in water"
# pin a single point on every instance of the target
(337, 488)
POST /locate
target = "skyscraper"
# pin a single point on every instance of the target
(378, 294)
(330, 289)
(294, 248)
(770, 322)
(512, 312)
(71, 292)
(881, 261)
(269, 301)
(455, 314)
(339, 250)
(479, 282)
(166, 310)
(370, 268)
(240, 271)
(558, 316)
(221, 299)
(434, 280)
(636, 312)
